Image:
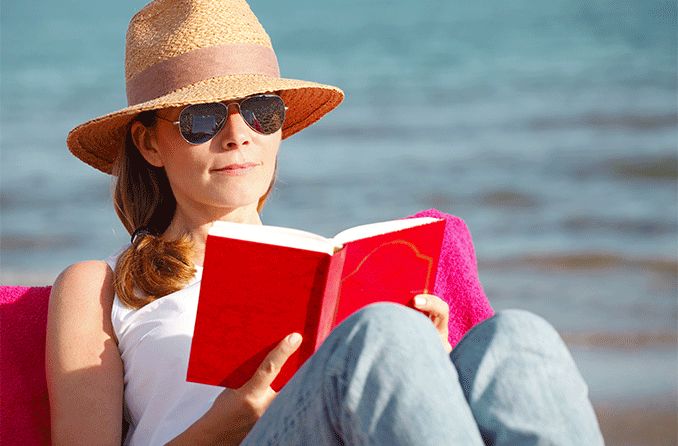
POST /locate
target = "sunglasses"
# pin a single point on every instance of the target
(198, 123)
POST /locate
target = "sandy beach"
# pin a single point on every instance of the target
(632, 385)
(643, 425)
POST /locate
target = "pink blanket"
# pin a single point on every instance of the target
(23, 401)
(457, 279)
(23, 316)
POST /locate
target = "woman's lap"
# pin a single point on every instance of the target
(383, 377)
(365, 384)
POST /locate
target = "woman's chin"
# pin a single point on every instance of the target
(239, 202)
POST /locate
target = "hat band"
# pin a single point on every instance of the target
(200, 64)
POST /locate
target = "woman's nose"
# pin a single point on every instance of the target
(236, 132)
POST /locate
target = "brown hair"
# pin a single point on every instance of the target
(150, 267)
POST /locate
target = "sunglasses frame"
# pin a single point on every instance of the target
(227, 108)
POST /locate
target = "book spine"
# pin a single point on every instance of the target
(330, 300)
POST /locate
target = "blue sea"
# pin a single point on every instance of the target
(549, 127)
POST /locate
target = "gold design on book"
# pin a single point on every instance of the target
(413, 247)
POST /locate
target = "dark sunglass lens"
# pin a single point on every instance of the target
(263, 113)
(200, 122)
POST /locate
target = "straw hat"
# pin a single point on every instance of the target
(182, 52)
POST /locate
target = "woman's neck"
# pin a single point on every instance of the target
(198, 224)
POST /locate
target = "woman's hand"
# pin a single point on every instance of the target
(248, 403)
(235, 411)
(438, 311)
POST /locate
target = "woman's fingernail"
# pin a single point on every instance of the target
(294, 339)
(419, 300)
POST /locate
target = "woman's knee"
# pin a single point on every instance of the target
(385, 344)
(509, 332)
(387, 331)
(523, 326)
(388, 319)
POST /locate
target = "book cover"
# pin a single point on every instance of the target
(257, 289)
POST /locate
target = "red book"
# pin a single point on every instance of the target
(261, 283)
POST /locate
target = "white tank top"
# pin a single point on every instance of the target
(154, 343)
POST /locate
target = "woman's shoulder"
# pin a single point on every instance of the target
(84, 283)
(84, 271)
(91, 271)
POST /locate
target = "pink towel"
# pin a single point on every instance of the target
(23, 404)
(457, 281)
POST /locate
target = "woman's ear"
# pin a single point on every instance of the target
(145, 142)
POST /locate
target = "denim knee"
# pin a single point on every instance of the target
(515, 327)
(524, 325)
(522, 383)
(390, 319)
(517, 340)
(384, 330)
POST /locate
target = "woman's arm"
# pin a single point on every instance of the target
(83, 365)
(235, 411)
(85, 372)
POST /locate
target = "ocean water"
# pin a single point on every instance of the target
(549, 127)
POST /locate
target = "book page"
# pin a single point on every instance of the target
(273, 235)
(384, 227)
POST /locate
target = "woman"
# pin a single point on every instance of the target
(198, 143)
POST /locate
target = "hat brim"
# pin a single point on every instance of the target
(97, 142)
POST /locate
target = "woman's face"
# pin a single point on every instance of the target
(232, 170)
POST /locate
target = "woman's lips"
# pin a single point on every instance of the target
(236, 169)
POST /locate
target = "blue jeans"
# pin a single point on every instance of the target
(382, 377)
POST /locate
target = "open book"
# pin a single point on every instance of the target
(261, 283)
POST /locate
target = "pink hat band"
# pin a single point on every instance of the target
(198, 65)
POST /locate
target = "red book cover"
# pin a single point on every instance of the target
(392, 267)
(260, 286)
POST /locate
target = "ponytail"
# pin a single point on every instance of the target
(152, 268)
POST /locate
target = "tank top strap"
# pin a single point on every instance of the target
(112, 260)
(122, 316)
(119, 310)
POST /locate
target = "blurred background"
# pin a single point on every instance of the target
(549, 127)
